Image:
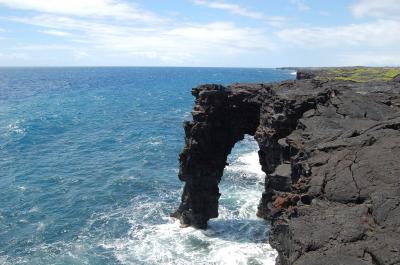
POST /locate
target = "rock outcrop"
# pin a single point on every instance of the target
(300, 75)
(331, 154)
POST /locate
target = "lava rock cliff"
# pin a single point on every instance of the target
(331, 154)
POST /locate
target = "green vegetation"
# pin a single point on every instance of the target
(357, 74)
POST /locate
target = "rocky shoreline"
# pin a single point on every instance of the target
(331, 153)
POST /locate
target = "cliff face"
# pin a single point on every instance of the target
(330, 151)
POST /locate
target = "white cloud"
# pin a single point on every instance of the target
(371, 34)
(13, 56)
(77, 53)
(369, 43)
(235, 9)
(80, 55)
(172, 43)
(300, 5)
(2, 31)
(57, 33)
(385, 9)
(188, 41)
(44, 47)
(232, 8)
(84, 8)
(375, 58)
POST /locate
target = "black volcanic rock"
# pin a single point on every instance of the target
(301, 75)
(331, 154)
(396, 78)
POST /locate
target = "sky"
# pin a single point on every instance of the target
(214, 33)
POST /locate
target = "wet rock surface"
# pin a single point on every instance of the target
(331, 154)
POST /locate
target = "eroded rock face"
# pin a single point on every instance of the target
(331, 154)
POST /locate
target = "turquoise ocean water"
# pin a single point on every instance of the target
(88, 169)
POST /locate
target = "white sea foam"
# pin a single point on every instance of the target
(34, 209)
(293, 73)
(16, 128)
(21, 188)
(187, 116)
(247, 163)
(170, 244)
(237, 236)
(3, 260)
(41, 226)
(155, 141)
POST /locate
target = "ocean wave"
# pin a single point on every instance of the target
(169, 244)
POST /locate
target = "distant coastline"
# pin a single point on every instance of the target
(358, 74)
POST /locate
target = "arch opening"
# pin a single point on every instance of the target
(242, 183)
(243, 233)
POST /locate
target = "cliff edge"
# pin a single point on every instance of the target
(331, 154)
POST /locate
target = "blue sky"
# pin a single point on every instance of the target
(231, 33)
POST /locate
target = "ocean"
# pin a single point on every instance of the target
(89, 163)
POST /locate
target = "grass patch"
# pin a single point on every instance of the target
(358, 74)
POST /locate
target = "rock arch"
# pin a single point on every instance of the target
(220, 119)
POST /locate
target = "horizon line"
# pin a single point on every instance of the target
(172, 66)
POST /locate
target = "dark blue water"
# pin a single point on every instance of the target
(88, 169)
